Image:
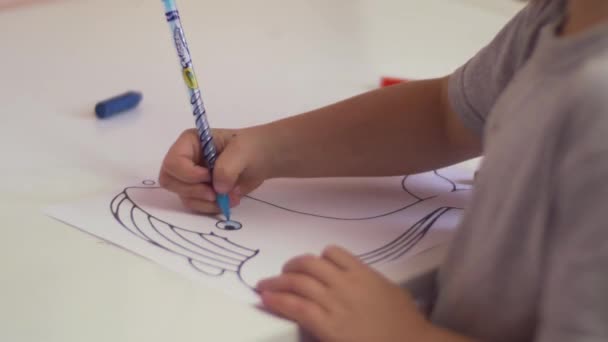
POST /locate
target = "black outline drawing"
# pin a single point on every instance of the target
(208, 253)
(213, 255)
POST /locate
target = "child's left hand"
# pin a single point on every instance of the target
(336, 297)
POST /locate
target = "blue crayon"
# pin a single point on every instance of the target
(117, 104)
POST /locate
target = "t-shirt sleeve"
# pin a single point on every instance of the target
(474, 87)
(574, 302)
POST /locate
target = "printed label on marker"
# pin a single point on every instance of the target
(182, 47)
(190, 78)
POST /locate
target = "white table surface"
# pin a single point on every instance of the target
(256, 61)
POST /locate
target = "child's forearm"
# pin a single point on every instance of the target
(390, 131)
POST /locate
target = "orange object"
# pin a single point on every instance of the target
(389, 81)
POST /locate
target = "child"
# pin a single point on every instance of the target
(530, 259)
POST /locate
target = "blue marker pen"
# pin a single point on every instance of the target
(196, 100)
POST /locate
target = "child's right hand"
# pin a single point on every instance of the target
(239, 169)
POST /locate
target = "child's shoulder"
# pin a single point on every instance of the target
(594, 73)
(586, 104)
(540, 5)
(541, 10)
(590, 83)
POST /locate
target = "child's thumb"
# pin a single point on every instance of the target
(228, 167)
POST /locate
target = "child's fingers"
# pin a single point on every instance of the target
(195, 191)
(341, 258)
(315, 267)
(234, 199)
(306, 313)
(299, 284)
(183, 159)
(184, 169)
(188, 144)
(229, 166)
(205, 207)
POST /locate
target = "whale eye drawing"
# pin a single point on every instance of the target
(229, 225)
(380, 221)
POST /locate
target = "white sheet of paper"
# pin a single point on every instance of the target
(384, 221)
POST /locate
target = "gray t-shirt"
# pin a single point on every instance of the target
(530, 260)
